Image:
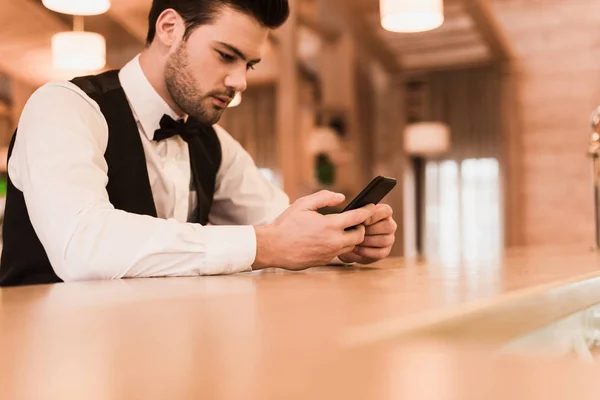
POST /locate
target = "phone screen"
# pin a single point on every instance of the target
(373, 193)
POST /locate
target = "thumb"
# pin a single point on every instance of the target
(320, 199)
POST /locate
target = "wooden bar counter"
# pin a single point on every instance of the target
(390, 330)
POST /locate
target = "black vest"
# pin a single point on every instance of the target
(24, 260)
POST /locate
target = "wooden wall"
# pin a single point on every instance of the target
(557, 85)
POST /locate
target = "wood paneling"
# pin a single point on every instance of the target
(287, 111)
(558, 84)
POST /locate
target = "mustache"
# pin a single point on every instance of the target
(226, 93)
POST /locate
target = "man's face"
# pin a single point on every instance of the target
(203, 73)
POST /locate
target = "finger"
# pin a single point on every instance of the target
(353, 258)
(381, 212)
(352, 218)
(347, 250)
(353, 237)
(371, 253)
(386, 227)
(321, 199)
(378, 241)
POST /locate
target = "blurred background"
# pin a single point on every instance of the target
(483, 120)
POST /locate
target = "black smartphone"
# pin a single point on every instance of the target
(373, 193)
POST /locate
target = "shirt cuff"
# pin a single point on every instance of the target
(232, 248)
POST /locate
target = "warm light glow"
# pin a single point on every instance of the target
(85, 51)
(78, 7)
(426, 138)
(236, 100)
(411, 15)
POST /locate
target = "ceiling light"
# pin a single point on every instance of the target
(83, 51)
(78, 7)
(411, 15)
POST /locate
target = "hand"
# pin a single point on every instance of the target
(379, 238)
(302, 238)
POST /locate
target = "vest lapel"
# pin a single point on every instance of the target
(128, 182)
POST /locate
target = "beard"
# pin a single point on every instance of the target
(185, 90)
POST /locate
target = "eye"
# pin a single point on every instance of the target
(249, 66)
(226, 57)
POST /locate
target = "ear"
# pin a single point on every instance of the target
(169, 27)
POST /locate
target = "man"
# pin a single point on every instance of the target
(107, 181)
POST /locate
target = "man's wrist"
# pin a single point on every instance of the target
(264, 247)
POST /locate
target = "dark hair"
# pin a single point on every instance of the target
(269, 13)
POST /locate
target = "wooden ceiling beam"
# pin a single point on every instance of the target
(365, 35)
(412, 73)
(489, 28)
(457, 26)
(456, 56)
(431, 46)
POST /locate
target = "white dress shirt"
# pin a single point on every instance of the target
(58, 163)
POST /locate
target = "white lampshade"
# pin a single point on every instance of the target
(426, 138)
(84, 51)
(411, 15)
(78, 7)
(236, 100)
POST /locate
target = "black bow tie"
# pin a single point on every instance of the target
(169, 128)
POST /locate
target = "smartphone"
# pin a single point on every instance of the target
(373, 193)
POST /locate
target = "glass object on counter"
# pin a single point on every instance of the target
(576, 335)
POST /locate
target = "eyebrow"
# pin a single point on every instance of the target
(239, 53)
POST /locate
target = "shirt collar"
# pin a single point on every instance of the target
(147, 105)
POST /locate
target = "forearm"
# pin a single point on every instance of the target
(112, 244)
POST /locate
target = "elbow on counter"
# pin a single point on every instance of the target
(83, 256)
(79, 273)
(76, 269)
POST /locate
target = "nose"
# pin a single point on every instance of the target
(237, 80)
